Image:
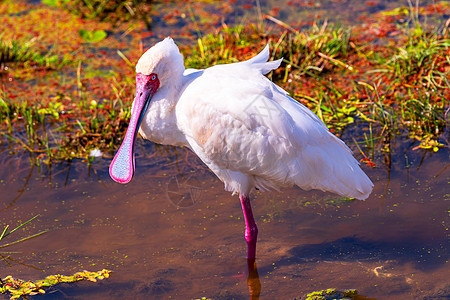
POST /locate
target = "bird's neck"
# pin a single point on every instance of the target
(159, 124)
(170, 89)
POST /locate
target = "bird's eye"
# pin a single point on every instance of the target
(153, 77)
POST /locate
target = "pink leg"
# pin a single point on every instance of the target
(251, 231)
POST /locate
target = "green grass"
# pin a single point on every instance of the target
(4, 255)
(25, 52)
(14, 51)
(421, 59)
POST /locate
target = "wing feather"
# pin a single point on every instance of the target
(251, 134)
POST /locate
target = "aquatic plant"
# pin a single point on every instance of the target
(30, 120)
(6, 233)
(92, 36)
(334, 294)
(20, 288)
(5, 255)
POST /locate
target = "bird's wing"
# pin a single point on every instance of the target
(251, 134)
(233, 124)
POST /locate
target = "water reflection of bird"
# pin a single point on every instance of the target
(245, 128)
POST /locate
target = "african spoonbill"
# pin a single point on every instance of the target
(245, 128)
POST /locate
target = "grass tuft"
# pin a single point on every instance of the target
(24, 52)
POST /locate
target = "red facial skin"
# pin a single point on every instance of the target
(146, 82)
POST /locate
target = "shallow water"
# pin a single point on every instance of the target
(173, 232)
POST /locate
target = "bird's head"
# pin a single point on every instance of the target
(160, 67)
(164, 60)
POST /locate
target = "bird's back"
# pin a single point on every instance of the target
(252, 134)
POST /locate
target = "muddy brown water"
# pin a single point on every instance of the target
(174, 233)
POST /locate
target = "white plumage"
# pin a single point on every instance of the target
(245, 128)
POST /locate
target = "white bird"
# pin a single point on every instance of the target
(245, 128)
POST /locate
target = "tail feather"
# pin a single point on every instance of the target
(262, 56)
(266, 67)
(334, 169)
(261, 62)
